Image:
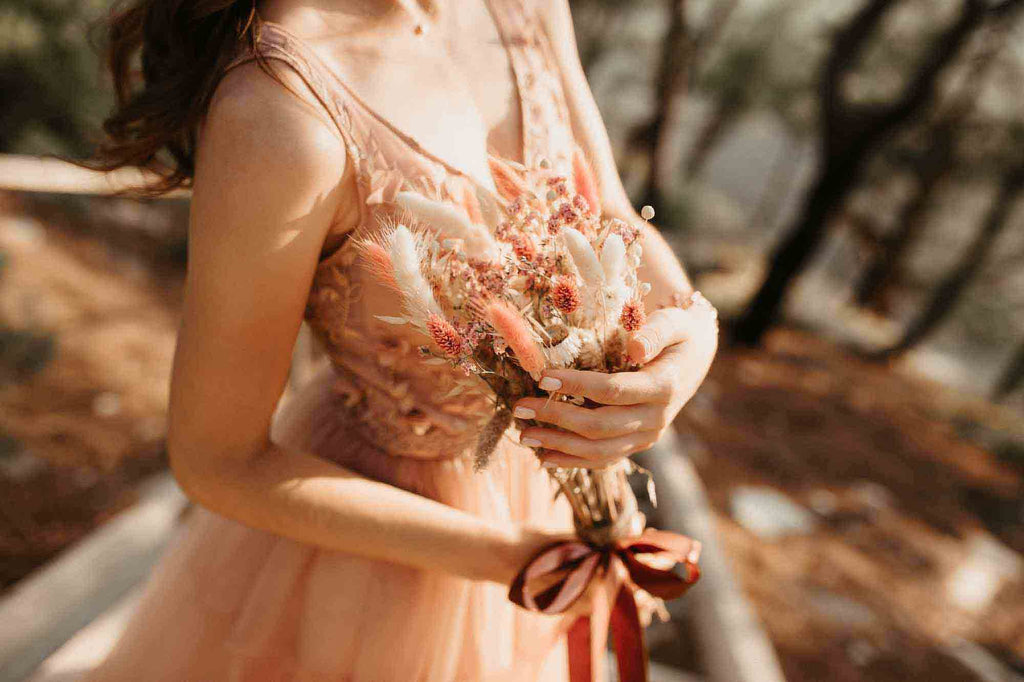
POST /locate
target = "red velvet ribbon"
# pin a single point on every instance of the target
(559, 574)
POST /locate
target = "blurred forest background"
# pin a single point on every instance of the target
(842, 178)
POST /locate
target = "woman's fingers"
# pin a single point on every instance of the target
(599, 422)
(619, 388)
(576, 451)
(663, 328)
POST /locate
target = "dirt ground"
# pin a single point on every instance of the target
(912, 568)
(86, 340)
(906, 507)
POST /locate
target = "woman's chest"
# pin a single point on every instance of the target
(456, 95)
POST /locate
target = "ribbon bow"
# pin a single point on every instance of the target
(559, 574)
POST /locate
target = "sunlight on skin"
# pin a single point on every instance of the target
(285, 239)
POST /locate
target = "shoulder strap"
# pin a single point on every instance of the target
(546, 122)
(276, 44)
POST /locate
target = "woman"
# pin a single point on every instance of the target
(345, 536)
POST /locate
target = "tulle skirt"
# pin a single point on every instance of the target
(228, 603)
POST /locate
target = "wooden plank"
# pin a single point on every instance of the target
(45, 609)
(733, 645)
(90, 645)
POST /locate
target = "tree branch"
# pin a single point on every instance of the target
(846, 46)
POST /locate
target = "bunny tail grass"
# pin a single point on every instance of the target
(508, 322)
(490, 436)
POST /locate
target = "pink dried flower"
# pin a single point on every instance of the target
(490, 276)
(508, 183)
(567, 215)
(558, 185)
(471, 333)
(633, 316)
(629, 233)
(507, 321)
(523, 247)
(566, 295)
(532, 283)
(580, 203)
(445, 335)
(378, 262)
(516, 207)
(504, 231)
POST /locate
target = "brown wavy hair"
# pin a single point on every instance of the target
(182, 47)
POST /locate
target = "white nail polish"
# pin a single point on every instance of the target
(530, 442)
(646, 344)
(524, 412)
(550, 384)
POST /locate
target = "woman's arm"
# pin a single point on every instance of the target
(270, 178)
(675, 346)
(659, 266)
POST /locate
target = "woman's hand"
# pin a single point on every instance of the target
(675, 349)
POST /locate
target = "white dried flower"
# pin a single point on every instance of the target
(406, 252)
(613, 259)
(450, 223)
(583, 257)
(577, 341)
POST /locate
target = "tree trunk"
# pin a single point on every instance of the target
(932, 167)
(793, 254)
(885, 268)
(953, 285)
(1012, 377)
(594, 49)
(665, 128)
(849, 136)
(718, 123)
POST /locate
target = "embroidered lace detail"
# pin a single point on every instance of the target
(391, 398)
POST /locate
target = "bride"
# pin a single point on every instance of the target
(344, 534)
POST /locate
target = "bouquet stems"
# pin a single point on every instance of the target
(603, 504)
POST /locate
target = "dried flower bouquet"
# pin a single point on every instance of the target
(506, 286)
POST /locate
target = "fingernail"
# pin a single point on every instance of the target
(550, 384)
(524, 412)
(530, 442)
(645, 343)
(549, 465)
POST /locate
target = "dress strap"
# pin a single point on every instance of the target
(275, 44)
(547, 129)
(374, 143)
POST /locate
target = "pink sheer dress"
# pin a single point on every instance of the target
(230, 603)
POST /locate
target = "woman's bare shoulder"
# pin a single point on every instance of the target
(276, 125)
(267, 161)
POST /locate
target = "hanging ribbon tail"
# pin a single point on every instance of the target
(659, 562)
(628, 638)
(581, 668)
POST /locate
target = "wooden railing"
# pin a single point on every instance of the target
(22, 173)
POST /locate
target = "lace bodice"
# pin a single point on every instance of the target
(393, 399)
